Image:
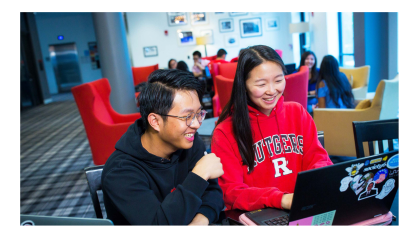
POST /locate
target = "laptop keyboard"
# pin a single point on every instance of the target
(279, 221)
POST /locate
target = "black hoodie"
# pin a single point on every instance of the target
(140, 188)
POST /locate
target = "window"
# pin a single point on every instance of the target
(346, 39)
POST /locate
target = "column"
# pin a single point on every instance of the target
(114, 59)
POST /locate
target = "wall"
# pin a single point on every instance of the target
(147, 29)
(75, 27)
(324, 35)
(376, 44)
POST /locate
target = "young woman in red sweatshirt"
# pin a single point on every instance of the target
(262, 141)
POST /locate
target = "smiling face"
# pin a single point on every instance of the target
(309, 61)
(265, 85)
(174, 132)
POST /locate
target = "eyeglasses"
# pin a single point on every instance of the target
(200, 116)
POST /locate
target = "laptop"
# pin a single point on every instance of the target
(342, 194)
(38, 220)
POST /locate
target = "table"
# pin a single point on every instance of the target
(207, 127)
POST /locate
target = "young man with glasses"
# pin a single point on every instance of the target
(158, 174)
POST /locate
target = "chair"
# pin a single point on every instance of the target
(369, 131)
(141, 74)
(297, 86)
(358, 78)
(279, 52)
(214, 66)
(223, 87)
(337, 123)
(210, 58)
(320, 136)
(94, 180)
(227, 70)
(103, 125)
(234, 59)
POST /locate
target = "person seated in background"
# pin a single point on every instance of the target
(181, 65)
(309, 59)
(172, 64)
(158, 174)
(333, 89)
(259, 137)
(198, 68)
(221, 55)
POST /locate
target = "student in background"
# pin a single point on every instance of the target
(333, 88)
(181, 65)
(172, 64)
(309, 59)
(158, 174)
(221, 55)
(199, 64)
(259, 137)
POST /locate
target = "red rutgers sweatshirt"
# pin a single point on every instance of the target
(285, 143)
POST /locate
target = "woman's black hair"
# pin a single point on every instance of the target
(159, 92)
(168, 67)
(314, 73)
(181, 65)
(237, 105)
(338, 88)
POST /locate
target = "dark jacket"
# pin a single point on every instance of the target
(140, 188)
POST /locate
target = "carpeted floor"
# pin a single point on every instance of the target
(54, 151)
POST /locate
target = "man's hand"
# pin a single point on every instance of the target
(199, 220)
(209, 167)
(286, 201)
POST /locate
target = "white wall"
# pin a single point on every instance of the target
(147, 29)
(324, 35)
(75, 27)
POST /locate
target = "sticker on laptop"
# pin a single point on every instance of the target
(354, 169)
(380, 176)
(344, 183)
(387, 188)
(324, 219)
(359, 183)
(393, 162)
(370, 190)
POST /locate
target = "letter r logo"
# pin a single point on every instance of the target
(281, 163)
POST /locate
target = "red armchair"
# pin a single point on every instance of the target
(279, 52)
(141, 74)
(103, 125)
(210, 58)
(297, 86)
(227, 70)
(223, 87)
(234, 59)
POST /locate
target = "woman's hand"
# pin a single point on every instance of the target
(286, 201)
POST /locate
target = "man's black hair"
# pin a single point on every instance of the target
(221, 52)
(159, 93)
(197, 53)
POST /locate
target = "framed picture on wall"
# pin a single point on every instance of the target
(238, 13)
(150, 51)
(177, 18)
(250, 27)
(226, 25)
(185, 38)
(231, 40)
(199, 18)
(209, 33)
(271, 24)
